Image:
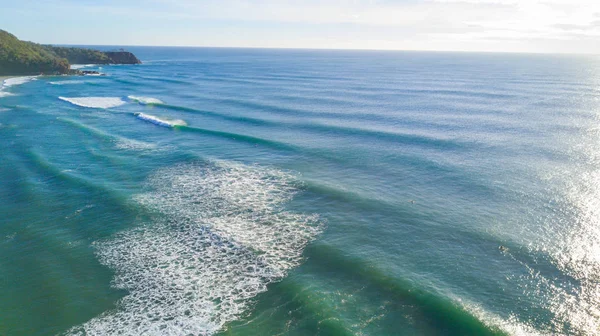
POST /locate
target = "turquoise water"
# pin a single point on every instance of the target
(274, 192)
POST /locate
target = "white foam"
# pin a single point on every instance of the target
(68, 82)
(18, 80)
(159, 121)
(145, 100)
(95, 102)
(510, 325)
(12, 82)
(223, 237)
(130, 144)
(81, 66)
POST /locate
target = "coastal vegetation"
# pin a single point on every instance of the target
(27, 58)
(80, 55)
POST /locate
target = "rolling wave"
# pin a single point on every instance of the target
(129, 83)
(145, 100)
(95, 102)
(163, 80)
(40, 164)
(445, 313)
(119, 141)
(285, 111)
(18, 80)
(401, 138)
(222, 235)
(413, 139)
(247, 120)
(160, 121)
(235, 136)
(12, 82)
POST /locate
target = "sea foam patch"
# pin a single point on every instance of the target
(130, 144)
(160, 121)
(146, 100)
(220, 237)
(95, 102)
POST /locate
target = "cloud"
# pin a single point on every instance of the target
(398, 24)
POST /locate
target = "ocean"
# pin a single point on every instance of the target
(303, 192)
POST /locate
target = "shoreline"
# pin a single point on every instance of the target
(13, 80)
(2, 79)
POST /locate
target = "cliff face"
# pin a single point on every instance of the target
(122, 57)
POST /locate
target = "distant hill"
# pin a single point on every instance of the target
(91, 56)
(27, 58)
(80, 55)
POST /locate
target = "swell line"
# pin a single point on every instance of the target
(441, 312)
(120, 142)
(412, 139)
(247, 120)
(41, 164)
(236, 136)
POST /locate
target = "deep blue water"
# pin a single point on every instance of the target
(290, 192)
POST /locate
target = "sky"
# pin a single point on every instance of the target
(547, 26)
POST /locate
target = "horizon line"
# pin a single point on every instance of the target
(332, 49)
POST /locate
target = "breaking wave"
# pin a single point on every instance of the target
(18, 80)
(220, 237)
(95, 102)
(146, 100)
(12, 82)
(160, 121)
(67, 82)
(81, 66)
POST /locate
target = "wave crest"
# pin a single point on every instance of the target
(159, 121)
(95, 102)
(146, 100)
(68, 82)
(12, 82)
(18, 80)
